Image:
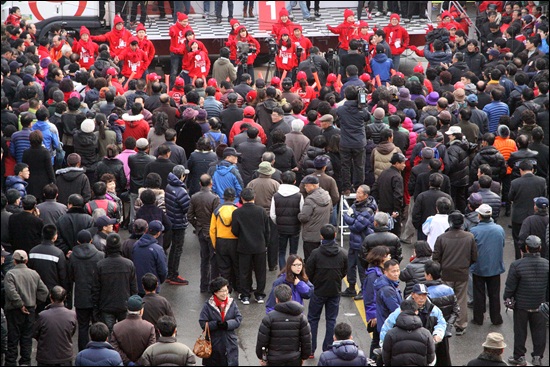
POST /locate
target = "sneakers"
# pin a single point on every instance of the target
(245, 300)
(349, 292)
(389, 13)
(378, 13)
(359, 296)
(460, 331)
(519, 361)
(310, 19)
(260, 299)
(178, 281)
(537, 361)
(317, 14)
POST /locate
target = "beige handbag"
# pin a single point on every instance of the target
(203, 345)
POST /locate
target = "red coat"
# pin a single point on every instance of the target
(43, 52)
(13, 19)
(118, 40)
(398, 38)
(306, 96)
(176, 95)
(134, 61)
(277, 27)
(177, 37)
(346, 32)
(87, 51)
(147, 46)
(198, 64)
(251, 41)
(286, 58)
(305, 43)
(231, 40)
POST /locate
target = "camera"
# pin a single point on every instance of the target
(243, 50)
(299, 50)
(362, 98)
(329, 55)
(271, 45)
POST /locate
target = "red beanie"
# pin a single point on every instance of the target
(84, 30)
(348, 13)
(182, 16)
(118, 19)
(282, 12)
(301, 75)
(233, 21)
(396, 16)
(141, 27)
(284, 31)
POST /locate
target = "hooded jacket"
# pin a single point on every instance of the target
(136, 126)
(284, 157)
(86, 145)
(263, 114)
(226, 175)
(87, 50)
(149, 257)
(491, 156)
(133, 62)
(220, 224)
(72, 180)
(177, 202)
(457, 70)
(326, 267)
(315, 213)
(459, 162)
(81, 272)
(177, 37)
(388, 299)
(361, 222)
(285, 333)
(408, 343)
(343, 353)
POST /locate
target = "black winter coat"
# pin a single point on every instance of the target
(527, 281)
(28, 238)
(308, 167)
(493, 200)
(424, 206)
(388, 191)
(486, 359)
(198, 163)
(250, 225)
(50, 263)
(352, 125)
(521, 155)
(382, 237)
(225, 347)
(86, 145)
(177, 202)
(82, 269)
(116, 168)
(445, 299)
(326, 267)
(114, 283)
(163, 167)
(413, 274)
(408, 343)
(522, 192)
(72, 180)
(459, 161)
(475, 61)
(68, 226)
(137, 163)
(537, 225)
(284, 157)
(251, 158)
(40, 166)
(491, 156)
(285, 333)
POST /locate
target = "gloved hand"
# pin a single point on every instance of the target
(413, 47)
(350, 211)
(222, 325)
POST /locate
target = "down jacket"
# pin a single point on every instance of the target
(413, 274)
(82, 269)
(312, 153)
(444, 298)
(381, 237)
(388, 299)
(98, 354)
(167, 351)
(527, 281)
(361, 222)
(72, 180)
(225, 346)
(315, 214)
(285, 333)
(408, 344)
(459, 162)
(491, 156)
(177, 202)
(343, 353)
(376, 129)
(493, 200)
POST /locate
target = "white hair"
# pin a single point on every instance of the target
(66, 48)
(381, 218)
(297, 125)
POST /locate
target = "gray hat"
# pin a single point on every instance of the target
(142, 143)
(265, 168)
(427, 153)
(180, 170)
(328, 118)
(310, 180)
(533, 242)
(20, 255)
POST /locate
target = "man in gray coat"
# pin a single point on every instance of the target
(315, 213)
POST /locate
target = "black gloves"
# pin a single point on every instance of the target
(222, 325)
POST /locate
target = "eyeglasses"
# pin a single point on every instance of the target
(298, 264)
(223, 291)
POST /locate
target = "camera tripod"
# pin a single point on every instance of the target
(270, 63)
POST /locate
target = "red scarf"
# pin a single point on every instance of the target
(221, 305)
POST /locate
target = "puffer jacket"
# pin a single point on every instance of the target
(381, 65)
(115, 167)
(475, 61)
(491, 156)
(361, 222)
(98, 354)
(284, 157)
(82, 269)
(413, 274)
(149, 257)
(437, 57)
(86, 145)
(408, 343)
(308, 167)
(113, 273)
(343, 353)
(286, 204)
(443, 297)
(493, 200)
(17, 183)
(177, 202)
(527, 281)
(381, 156)
(413, 136)
(72, 180)
(167, 352)
(226, 175)
(382, 237)
(388, 299)
(225, 347)
(220, 224)
(285, 333)
(521, 155)
(459, 162)
(369, 292)
(375, 129)
(315, 214)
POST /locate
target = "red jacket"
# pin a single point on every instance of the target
(346, 32)
(251, 41)
(236, 129)
(13, 19)
(277, 27)
(87, 51)
(176, 95)
(136, 126)
(398, 38)
(177, 37)
(306, 45)
(147, 46)
(231, 40)
(286, 58)
(43, 52)
(118, 40)
(198, 64)
(134, 61)
(306, 96)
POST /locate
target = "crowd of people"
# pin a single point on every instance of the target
(104, 166)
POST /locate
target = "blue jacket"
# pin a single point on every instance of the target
(177, 202)
(361, 223)
(352, 125)
(19, 143)
(226, 175)
(343, 353)
(388, 299)
(51, 141)
(381, 65)
(149, 257)
(98, 354)
(303, 290)
(369, 293)
(437, 57)
(16, 182)
(355, 81)
(490, 239)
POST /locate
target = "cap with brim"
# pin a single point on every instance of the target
(84, 237)
(4, 252)
(135, 303)
(485, 210)
(494, 341)
(104, 221)
(156, 226)
(14, 65)
(420, 289)
(140, 226)
(327, 118)
(229, 151)
(541, 202)
(265, 168)
(310, 180)
(454, 130)
(472, 98)
(249, 111)
(260, 83)
(533, 241)
(20, 255)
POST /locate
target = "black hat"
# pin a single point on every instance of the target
(84, 237)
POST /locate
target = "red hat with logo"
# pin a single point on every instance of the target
(179, 82)
(332, 78)
(249, 111)
(250, 96)
(419, 69)
(111, 71)
(212, 82)
(275, 81)
(153, 77)
(365, 77)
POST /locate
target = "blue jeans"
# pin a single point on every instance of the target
(178, 7)
(315, 309)
(218, 8)
(175, 67)
(353, 264)
(334, 220)
(396, 61)
(283, 240)
(303, 8)
(206, 7)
